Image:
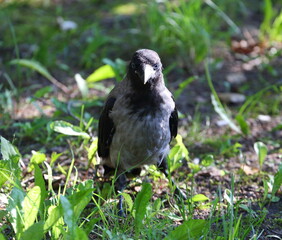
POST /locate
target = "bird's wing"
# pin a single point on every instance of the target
(173, 123)
(106, 129)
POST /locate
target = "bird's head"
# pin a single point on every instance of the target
(145, 67)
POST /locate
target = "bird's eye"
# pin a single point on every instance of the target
(133, 65)
(156, 66)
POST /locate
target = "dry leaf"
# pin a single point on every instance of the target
(249, 170)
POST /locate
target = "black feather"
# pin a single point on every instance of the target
(173, 123)
(106, 129)
(144, 103)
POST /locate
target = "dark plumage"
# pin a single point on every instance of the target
(139, 119)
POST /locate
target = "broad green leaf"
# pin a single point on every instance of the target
(31, 205)
(184, 150)
(274, 198)
(128, 200)
(174, 158)
(277, 180)
(15, 208)
(140, 204)
(39, 181)
(86, 185)
(192, 229)
(102, 73)
(177, 154)
(57, 229)
(4, 172)
(68, 129)
(2, 237)
(68, 213)
(36, 158)
(268, 17)
(34, 232)
(54, 214)
(157, 204)
(199, 198)
(79, 234)
(91, 152)
(7, 149)
(10, 170)
(34, 65)
(9, 165)
(118, 66)
(81, 198)
(261, 151)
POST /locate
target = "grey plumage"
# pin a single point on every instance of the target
(139, 118)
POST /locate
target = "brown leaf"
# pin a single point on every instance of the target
(249, 170)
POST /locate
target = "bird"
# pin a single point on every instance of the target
(138, 121)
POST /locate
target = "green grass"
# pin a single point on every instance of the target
(39, 210)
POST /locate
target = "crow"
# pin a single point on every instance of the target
(138, 121)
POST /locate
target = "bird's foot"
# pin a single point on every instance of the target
(121, 212)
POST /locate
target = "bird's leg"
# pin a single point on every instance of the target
(120, 186)
(164, 169)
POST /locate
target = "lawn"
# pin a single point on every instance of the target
(222, 62)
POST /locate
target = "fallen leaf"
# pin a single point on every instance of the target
(249, 170)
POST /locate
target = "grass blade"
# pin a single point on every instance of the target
(261, 151)
(218, 107)
(36, 66)
(277, 181)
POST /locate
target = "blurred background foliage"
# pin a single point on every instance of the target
(76, 44)
(73, 35)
